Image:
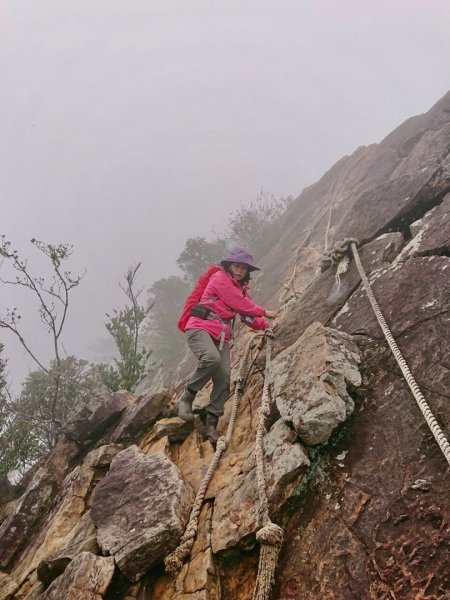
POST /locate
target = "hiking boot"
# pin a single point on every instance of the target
(210, 429)
(185, 406)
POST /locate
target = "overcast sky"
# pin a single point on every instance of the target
(128, 126)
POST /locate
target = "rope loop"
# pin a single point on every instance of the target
(271, 534)
(331, 258)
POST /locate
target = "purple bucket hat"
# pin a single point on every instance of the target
(240, 255)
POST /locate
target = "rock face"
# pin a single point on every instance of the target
(141, 415)
(310, 381)
(92, 420)
(28, 510)
(86, 578)
(7, 586)
(353, 474)
(140, 510)
(82, 538)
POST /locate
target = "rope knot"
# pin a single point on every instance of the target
(173, 564)
(271, 535)
(222, 444)
(269, 333)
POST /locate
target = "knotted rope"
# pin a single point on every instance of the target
(270, 536)
(422, 403)
(174, 561)
(338, 257)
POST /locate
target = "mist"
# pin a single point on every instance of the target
(128, 127)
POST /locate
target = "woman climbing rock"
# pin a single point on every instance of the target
(208, 333)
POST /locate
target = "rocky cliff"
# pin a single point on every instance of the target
(353, 473)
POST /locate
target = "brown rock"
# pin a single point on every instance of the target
(86, 578)
(310, 379)
(66, 513)
(82, 538)
(27, 512)
(92, 420)
(235, 517)
(7, 586)
(32, 592)
(174, 428)
(62, 456)
(162, 445)
(140, 510)
(203, 575)
(140, 416)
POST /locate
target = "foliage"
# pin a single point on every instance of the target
(198, 254)
(167, 300)
(52, 298)
(29, 425)
(125, 327)
(258, 225)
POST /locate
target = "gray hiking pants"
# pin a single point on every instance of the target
(212, 364)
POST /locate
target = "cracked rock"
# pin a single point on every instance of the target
(140, 509)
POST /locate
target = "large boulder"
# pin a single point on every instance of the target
(140, 509)
(86, 578)
(310, 380)
(140, 416)
(88, 424)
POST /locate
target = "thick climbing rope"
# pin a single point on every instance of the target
(174, 561)
(437, 432)
(270, 535)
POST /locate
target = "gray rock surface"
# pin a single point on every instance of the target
(140, 509)
(310, 379)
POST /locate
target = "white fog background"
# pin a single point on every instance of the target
(128, 126)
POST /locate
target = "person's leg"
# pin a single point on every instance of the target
(220, 392)
(221, 383)
(203, 347)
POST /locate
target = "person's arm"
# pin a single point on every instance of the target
(232, 297)
(256, 323)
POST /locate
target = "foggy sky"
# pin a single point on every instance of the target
(128, 126)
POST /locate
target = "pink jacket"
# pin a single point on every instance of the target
(224, 295)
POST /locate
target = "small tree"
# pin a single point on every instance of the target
(76, 386)
(125, 328)
(30, 424)
(198, 253)
(52, 298)
(258, 225)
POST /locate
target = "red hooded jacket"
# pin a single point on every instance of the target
(226, 297)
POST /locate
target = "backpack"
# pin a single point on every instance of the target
(195, 295)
